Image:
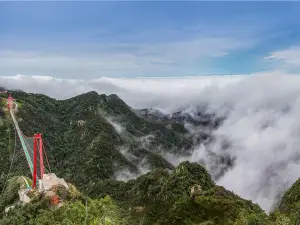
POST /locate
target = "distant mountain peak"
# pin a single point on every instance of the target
(2, 88)
(91, 93)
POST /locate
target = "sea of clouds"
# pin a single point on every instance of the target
(262, 125)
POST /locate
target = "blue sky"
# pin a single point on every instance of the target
(138, 39)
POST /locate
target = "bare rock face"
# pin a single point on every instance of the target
(54, 189)
(80, 123)
(196, 191)
(23, 196)
(9, 208)
(137, 210)
(51, 180)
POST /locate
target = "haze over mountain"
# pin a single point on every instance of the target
(245, 135)
(259, 135)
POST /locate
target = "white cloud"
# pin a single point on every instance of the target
(263, 128)
(290, 55)
(263, 122)
(137, 92)
(117, 59)
(286, 59)
(116, 126)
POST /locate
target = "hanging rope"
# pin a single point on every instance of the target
(22, 140)
(44, 152)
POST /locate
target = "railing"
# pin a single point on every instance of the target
(30, 164)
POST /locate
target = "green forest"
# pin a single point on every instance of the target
(84, 147)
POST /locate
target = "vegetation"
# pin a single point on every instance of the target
(165, 198)
(158, 197)
(84, 146)
(77, 209)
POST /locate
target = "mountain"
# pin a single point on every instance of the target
(2, 88)
(158, 197)
(164, 198)
(92, 137)
(199, 117)
(74, 208)
(95, 141)
(289, 206)
(185, 123)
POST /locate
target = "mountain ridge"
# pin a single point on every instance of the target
(85, 116)
(92, 139)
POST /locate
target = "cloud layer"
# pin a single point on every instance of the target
(286, 59)
(115, 59)
(263, 129)
(137, 92)
(263, 125)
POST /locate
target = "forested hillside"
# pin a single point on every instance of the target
(93, 139)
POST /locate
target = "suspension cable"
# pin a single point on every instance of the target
(46, 157)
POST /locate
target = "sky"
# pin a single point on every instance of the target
(170, 56)
(88, 40)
